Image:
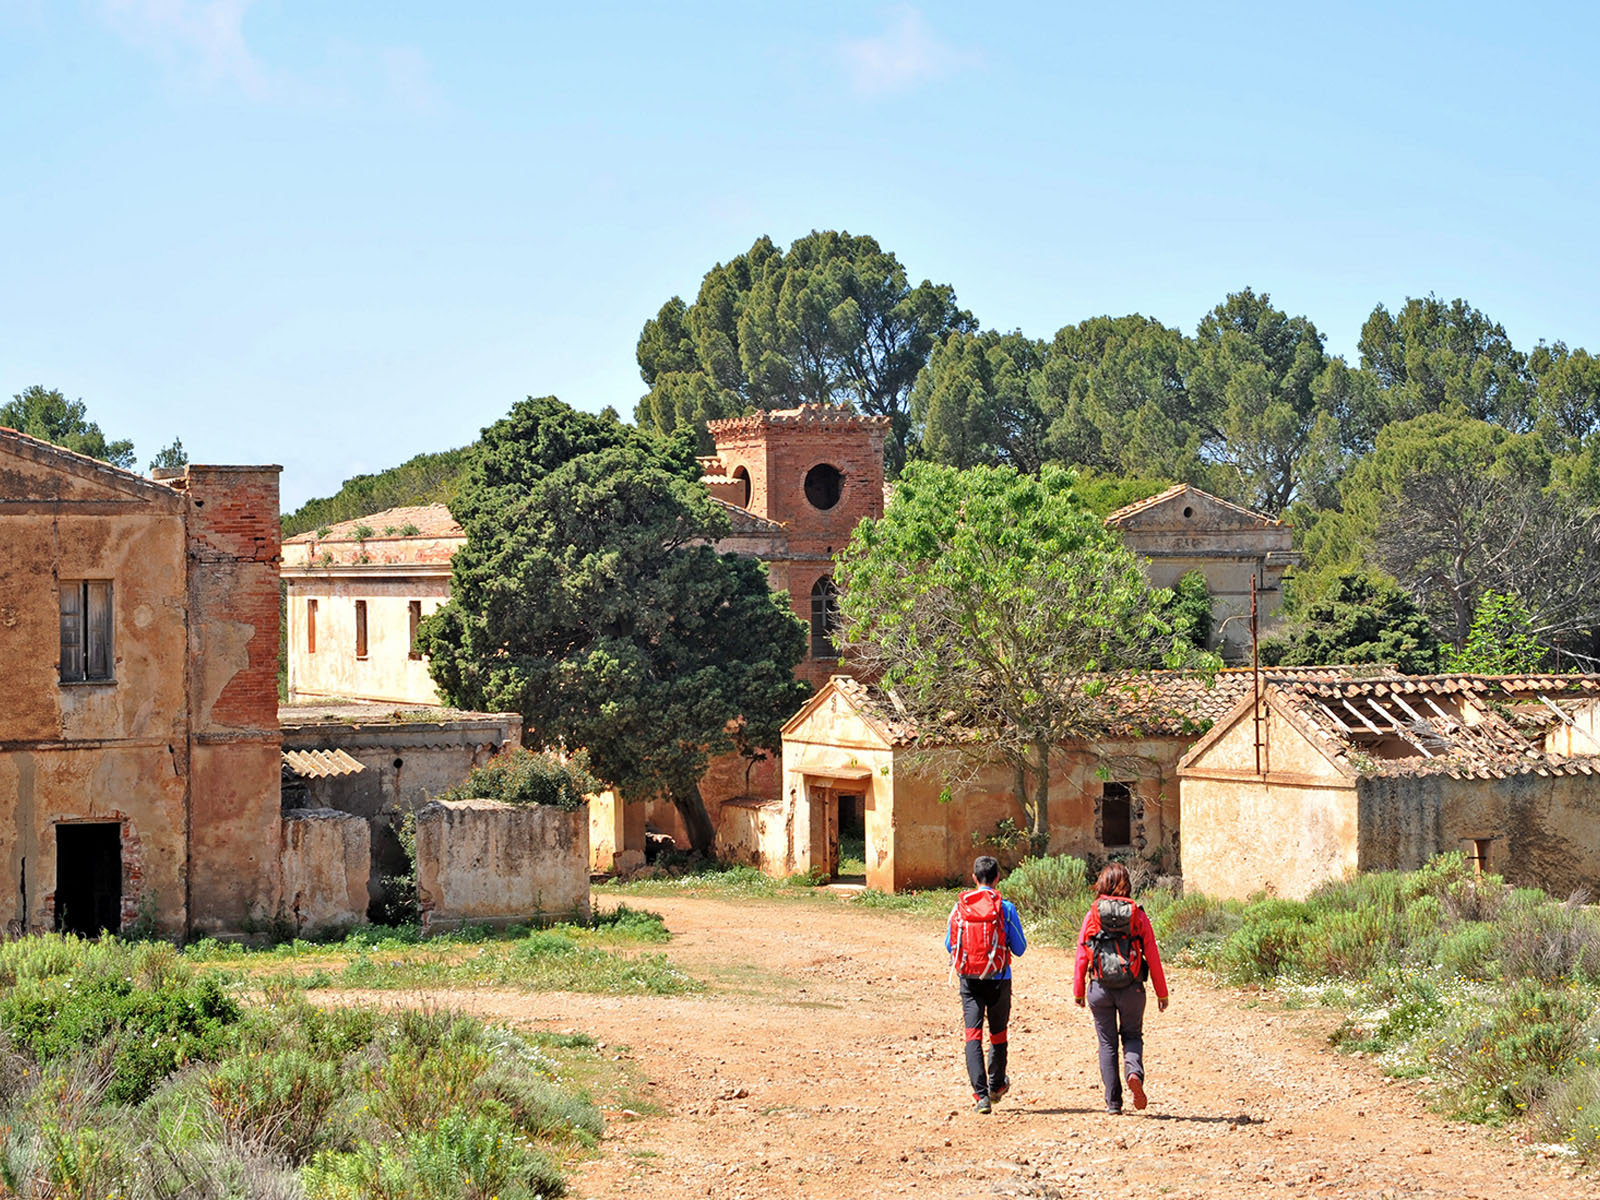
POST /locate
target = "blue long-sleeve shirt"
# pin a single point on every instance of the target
(1015, 941)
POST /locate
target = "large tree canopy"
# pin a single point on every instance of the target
(1000, 609)
(834, 320)
(1455, 508)
(589, 599)
(974, 405)
(51, 417)
(1358, 619)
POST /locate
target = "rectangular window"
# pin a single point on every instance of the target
(414, 609)
(311, 626)
(86, 631)
(1116, 815)
(361, 628)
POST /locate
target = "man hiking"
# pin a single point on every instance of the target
(983, 935)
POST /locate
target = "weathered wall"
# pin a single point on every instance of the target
(327, 857)
(407, 764)
(1285, 831)
(727, 777)
(483, 862)
(1580, 738)
(917, 837)
(235, 756)
(615, 827)
(753, 832)
(1543, 830)
(388, 673)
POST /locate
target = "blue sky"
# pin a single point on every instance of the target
(332, 236)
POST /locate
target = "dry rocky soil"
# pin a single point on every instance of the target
(825, 1061)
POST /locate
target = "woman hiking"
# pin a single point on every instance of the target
(1116, 953)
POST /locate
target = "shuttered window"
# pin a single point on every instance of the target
(86, 631)
(361, 628)
(311, 626)
(414, 608)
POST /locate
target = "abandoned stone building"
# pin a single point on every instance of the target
(139, 746)
(1320, 779)
(1184, 529)
(853, 765)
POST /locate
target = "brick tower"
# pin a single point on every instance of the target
(809, 475)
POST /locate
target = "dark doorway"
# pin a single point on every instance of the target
(89, 878)
(851, 863)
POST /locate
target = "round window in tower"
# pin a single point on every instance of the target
(824, 485)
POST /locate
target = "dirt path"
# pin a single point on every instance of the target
(827, 1063)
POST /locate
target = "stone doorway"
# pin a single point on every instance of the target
(88, 899)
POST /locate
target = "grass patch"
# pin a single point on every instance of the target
(602, 956)
(131, 1071)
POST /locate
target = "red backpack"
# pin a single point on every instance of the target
(978, 934)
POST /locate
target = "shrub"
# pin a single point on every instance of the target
(1549, 942)
(1506, 1059)
(1049, 883)
(1262, 948)
(278, 1102)
(520, 776)
(1344, 944)
(1470, 950)
(1193, 921)
(1571, 1112)
(466, 1158)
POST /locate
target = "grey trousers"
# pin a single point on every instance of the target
(1118, 1012)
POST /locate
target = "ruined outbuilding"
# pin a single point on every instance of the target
(1184, 529)
(1320, 779)
(139, 747)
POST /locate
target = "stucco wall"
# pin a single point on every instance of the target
(407, 764)
(388, 673)
(615, 827)
(326, 860)
(484, 862)
(1544, 830)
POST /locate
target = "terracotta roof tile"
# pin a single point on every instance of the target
(431, 521)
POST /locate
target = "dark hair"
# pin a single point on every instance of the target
(986, 868)
(1113, 881)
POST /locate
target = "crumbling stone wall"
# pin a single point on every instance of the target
(483, 862)
(327, 856)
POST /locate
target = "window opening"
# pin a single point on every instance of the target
(85, 630)
(825, 619)
(311, 626)
(1116, 814)
(742, 477)
(88, 878)
(414, 611)
(361, 628)
(824, 486)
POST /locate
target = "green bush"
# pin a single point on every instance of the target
(1570, 1114)
(1471, 950)
(1049, 884)
(466, 1158)
(1193, 922)
(1549, 942)
(279, 1102)
(1262, 948)
(1506, 1059)
(520, 776)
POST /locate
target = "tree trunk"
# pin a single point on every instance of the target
(691, 807)
(1039, 833)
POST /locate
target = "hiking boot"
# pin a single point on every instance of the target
(1136, 1086)
(1113, 1112)
(996, 1092)
(982, 1103)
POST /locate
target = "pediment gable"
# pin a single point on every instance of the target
(36, 471)
(1186, 508)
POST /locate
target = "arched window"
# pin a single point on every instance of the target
(824, 618)
(742, 477)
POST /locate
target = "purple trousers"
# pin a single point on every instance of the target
(1118, 1014)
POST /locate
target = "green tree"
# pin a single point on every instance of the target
(1435, 356)
(1360, 618)
(51, 417)
(1455, 508)
(1114, 395)
(1270, 400)
(1188, 612)
(974, 403)
(1501, 640)
(1001, 611)
(588, 598)
(1568, 394)
(834, 320)
(170, 456)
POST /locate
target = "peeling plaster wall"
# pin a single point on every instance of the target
(388, 673)
(484, 862)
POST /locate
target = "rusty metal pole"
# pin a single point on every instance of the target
(1255, 667)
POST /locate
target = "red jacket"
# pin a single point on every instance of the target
(1147, 947)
